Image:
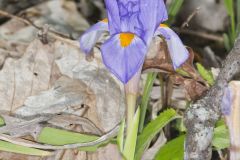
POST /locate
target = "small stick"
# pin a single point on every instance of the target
(190, 17)
(200, 34)
(51, 33)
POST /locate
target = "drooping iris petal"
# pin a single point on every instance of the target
(123, 54)
(113, 16)
(152, 13)
(90, 37)
(178, 52)
(226, 102)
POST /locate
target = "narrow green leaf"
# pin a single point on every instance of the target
(173, 10)
(9, 147)
(130, 143)
(227, 42)
(230, 10)
(221, 137)
(173, 150)
(229, 6)
(206, 75)
(60, 137)
(2, 122)
(151, 130)
(238, 16)
(120, 137)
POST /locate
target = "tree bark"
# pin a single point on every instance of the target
(201, 116)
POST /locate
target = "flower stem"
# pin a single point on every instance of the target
(131, 92)
(131, 104)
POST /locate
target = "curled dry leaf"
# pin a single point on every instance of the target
(80, 82)
(187, 75)
(61, 98)
(26, 76)
(194, 89)
(110, 104)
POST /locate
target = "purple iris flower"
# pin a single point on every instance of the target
(132, 25)
(227, 102)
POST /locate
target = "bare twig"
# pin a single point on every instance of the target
(76, 120)
(200, 117)
(190, 17)
(200, 34)
(51, 33)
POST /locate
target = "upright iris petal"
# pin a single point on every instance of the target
(113, 16)
(153, 13)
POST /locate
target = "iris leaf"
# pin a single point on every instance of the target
(60, 137)
(151, 130)
(130, 143)
(9, 147)
(173, 150)
(120, 137)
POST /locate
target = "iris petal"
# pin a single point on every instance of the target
(123, 61)
(153, 12)
(113, 16)
(178, 52)
(226, 101)
(90, 37)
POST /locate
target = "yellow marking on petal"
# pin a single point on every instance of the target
(126, 39)
(105, 20)
(164, 25)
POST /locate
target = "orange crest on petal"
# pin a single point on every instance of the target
(164, 25)
(105, 20)
(126, 39)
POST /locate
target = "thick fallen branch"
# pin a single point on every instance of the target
(200, 118)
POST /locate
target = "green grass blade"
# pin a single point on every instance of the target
(9, 147)
(120, 137)
(205, 74)
(238, 16)
(145, 98)
(131, 139)
(230, 10)
(151, 130)
(227, 42)
(173, 10)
